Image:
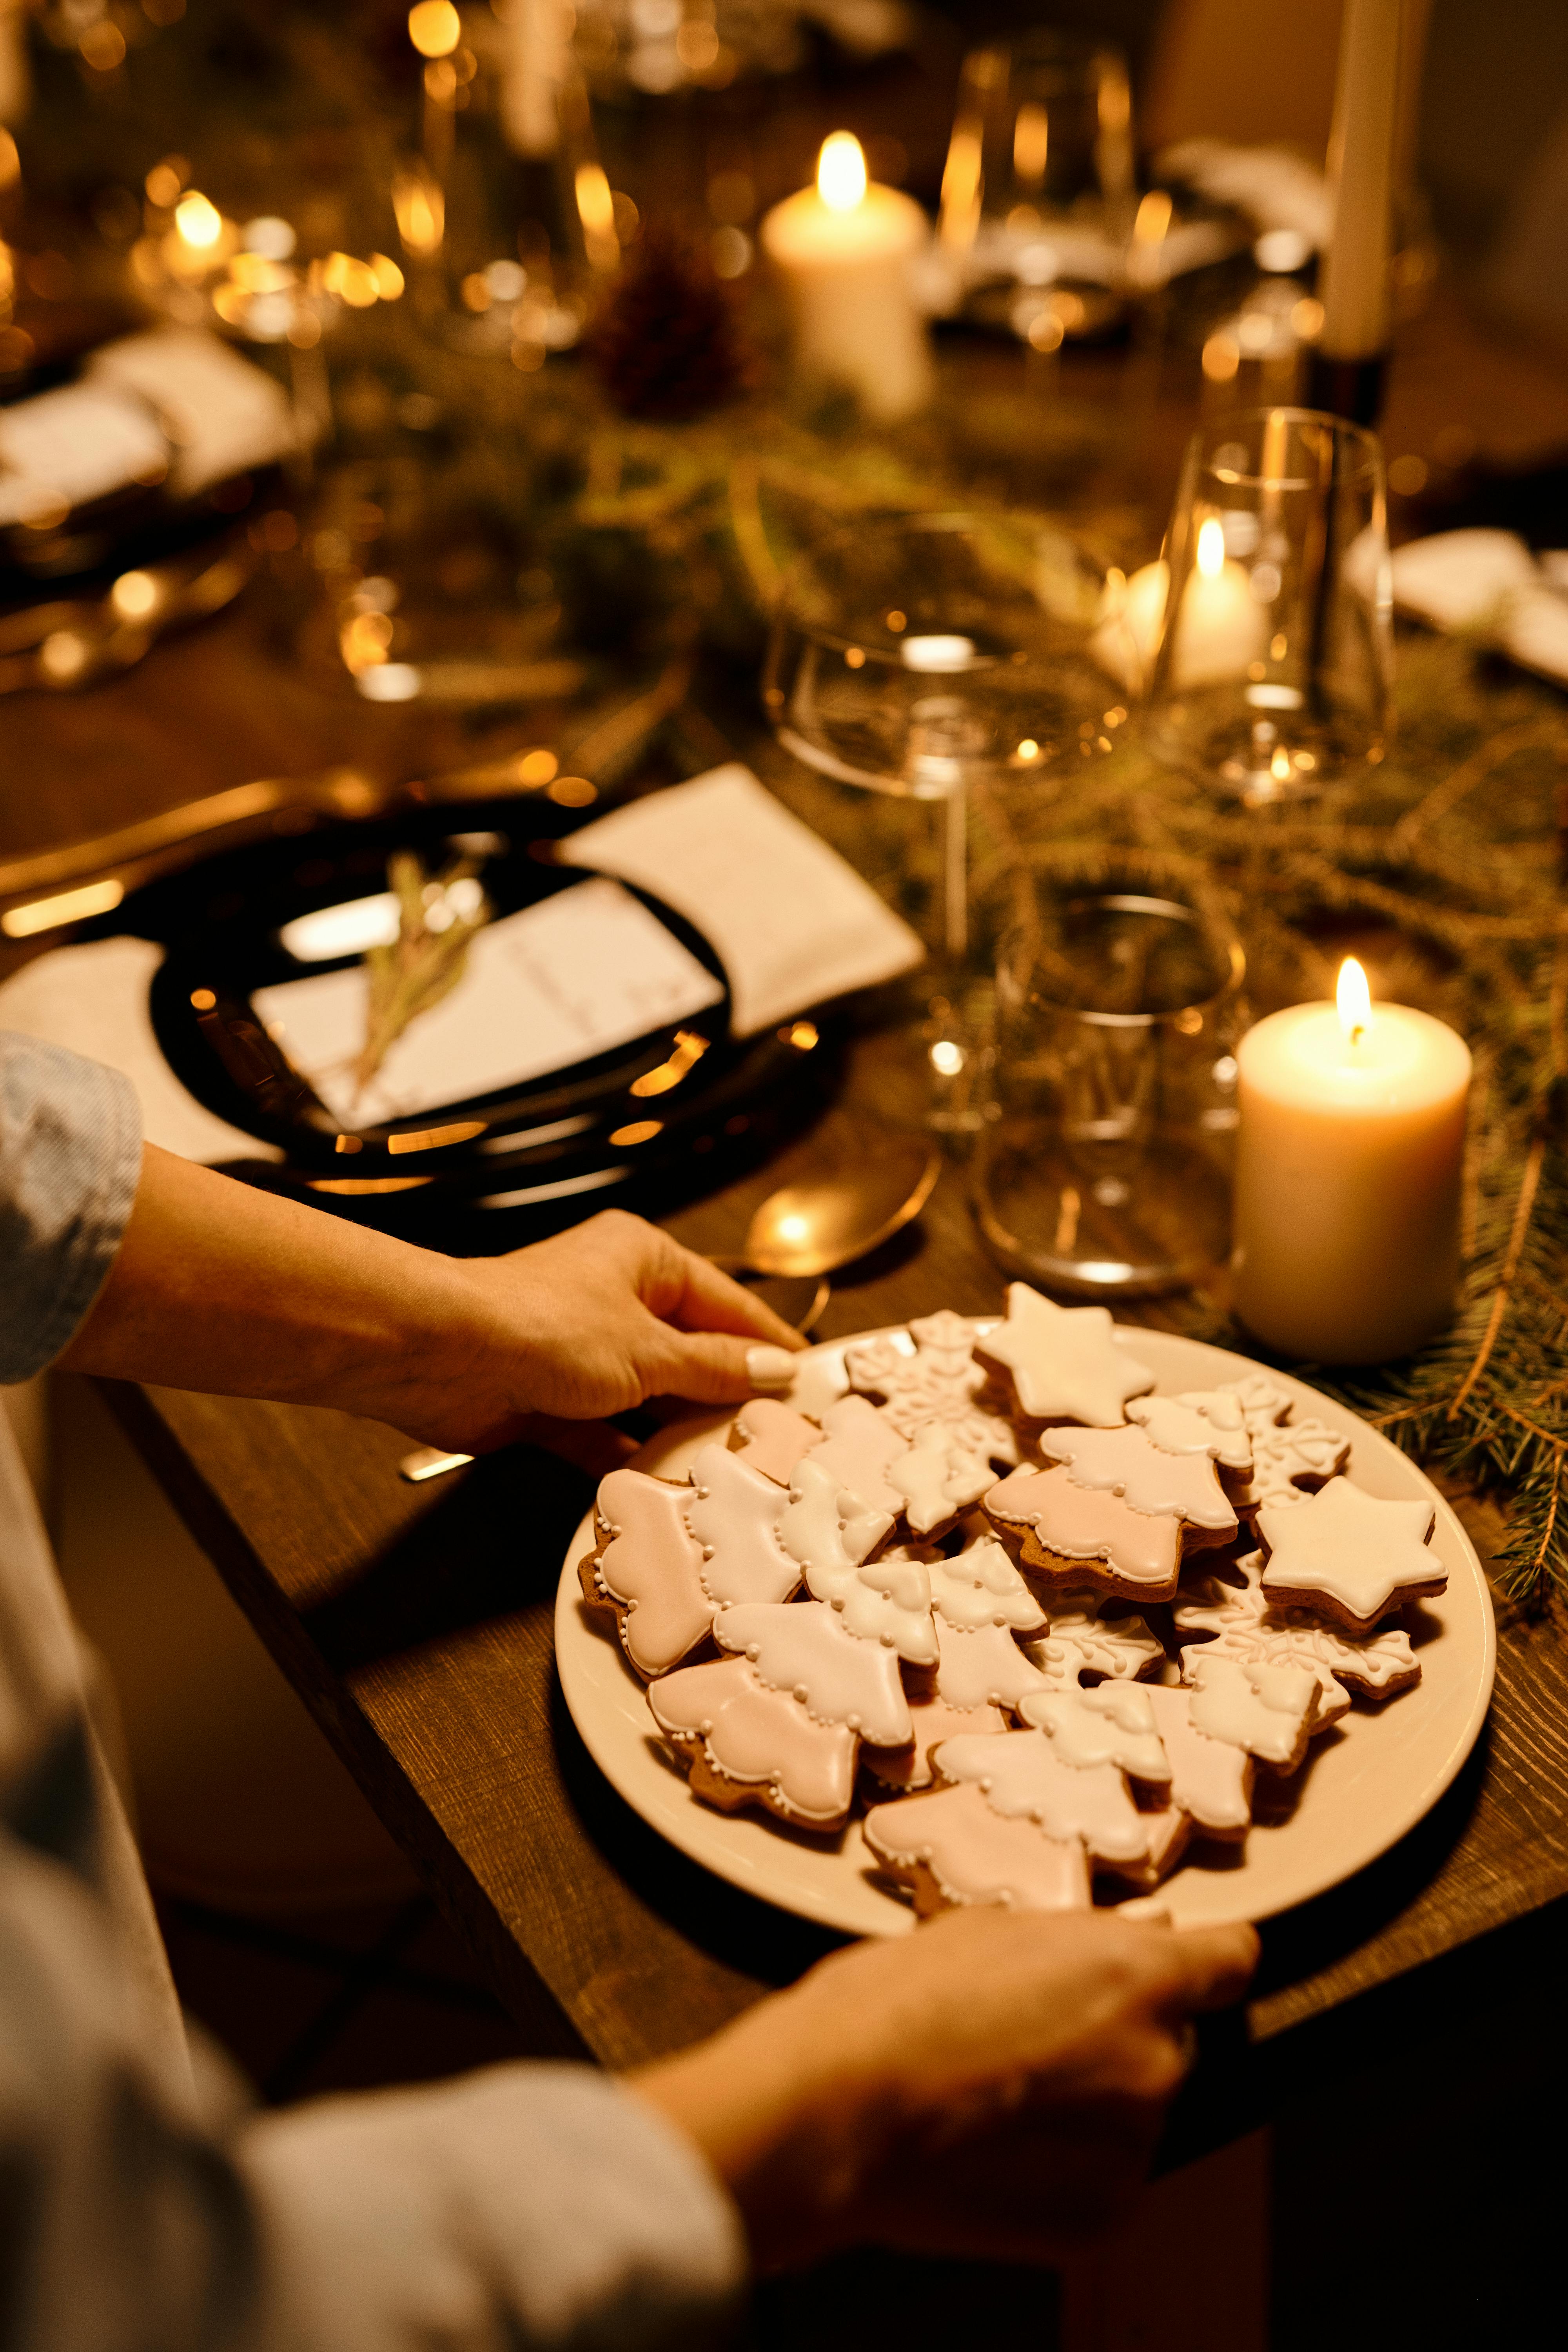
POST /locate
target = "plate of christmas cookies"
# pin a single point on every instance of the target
(1038, 1611)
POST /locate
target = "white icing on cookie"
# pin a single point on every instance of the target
(1349, 1551)
(1210, 1422)
(825, 1526)
(859, 1445)
(937, 1478)
(1112, 1724)
(1065, 1364)
(1125, 1462)
(801, 1646)
(1210, 1779)
(1289, 1457)
(734, 1513)
(885, 1600)
(983, 1668)
(758, 1736)
(1246, 1627)
(937, 1381)
(652, 1567)
(974, 1855)
(1267, 1710)
(1021, 1774)
(771, 1436)
(1082, 1642)
(980, 1586)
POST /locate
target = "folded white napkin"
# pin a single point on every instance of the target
(1488, 581)
(92, 999)
(794, 925)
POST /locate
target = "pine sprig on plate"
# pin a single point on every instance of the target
(437, 917)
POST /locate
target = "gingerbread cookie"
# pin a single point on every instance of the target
(1271, 1711)
(827, 1530)
(1084, 1646)
(832, 1533)
(935, 1381)
(1211, 1780)
(1080, 1537)
(982, 1666)
(1211, 1421)
(1111, 1724)
(771, 1437)
(980, 1586)
(952, 1849)
(860, 1446)
(1126, 1462)
(1349, 1555)
(1289, 1459)
(801, 1647)
(1246, 1626)
(938, 1479)
(647, 1567)
(746, 1744)
(1064, 1363)
(734, 1514)
(1021, 1774)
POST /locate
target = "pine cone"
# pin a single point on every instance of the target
(668, 343)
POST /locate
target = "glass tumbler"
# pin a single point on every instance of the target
(1105, 1170)
(1272, 640)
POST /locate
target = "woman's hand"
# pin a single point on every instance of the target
(991, 2086)
(595, 1320)
(221, 1287)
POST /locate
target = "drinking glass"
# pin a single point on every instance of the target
(923, 657)
(1038, 192)
(1273, 649)
(1105, 1171)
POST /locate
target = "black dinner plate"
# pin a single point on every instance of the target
(640, 1126)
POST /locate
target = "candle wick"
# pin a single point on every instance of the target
(1358, 1031)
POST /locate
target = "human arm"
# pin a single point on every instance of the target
(220, 1288)
(989, 2088)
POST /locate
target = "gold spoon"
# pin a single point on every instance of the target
(802, 1231)
(810, 1228)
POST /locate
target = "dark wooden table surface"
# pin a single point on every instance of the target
(416, 1621)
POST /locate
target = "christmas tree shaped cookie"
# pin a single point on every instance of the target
(1111, 1724)
(980, 1586)
(1127, 1463)
(747, 1745)
(1212, 1423)
(1021, 1775)
(1211, 1780)
(1246, 1626)
(983, 1665)
(1270, 1711)
(1080, 1537)
(734, 1514)
(1351, 1556)
(771, 1436)
(647, 1567)
(952, 1849)
(1063, 1361)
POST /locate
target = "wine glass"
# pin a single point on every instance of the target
(1269, 617)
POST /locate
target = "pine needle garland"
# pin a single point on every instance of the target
(437, 916)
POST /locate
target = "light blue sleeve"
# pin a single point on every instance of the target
(70, 1154)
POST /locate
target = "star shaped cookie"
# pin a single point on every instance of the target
(1349, 1555)
(1064, 1363)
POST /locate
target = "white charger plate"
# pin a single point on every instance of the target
(1363, 1785)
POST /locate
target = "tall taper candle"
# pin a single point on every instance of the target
(1361, 158)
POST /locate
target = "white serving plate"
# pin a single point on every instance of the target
(1364, 1784)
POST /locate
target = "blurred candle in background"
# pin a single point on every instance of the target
(1350, 1155)
(843, 250)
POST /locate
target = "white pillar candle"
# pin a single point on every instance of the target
(1360, 161)
(1350, 1152)
(1220, 629)
(844, 250)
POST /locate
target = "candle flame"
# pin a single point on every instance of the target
(434, 27)
(199, 222)
(841, 172)
(1354, 1000)
(1211, 548)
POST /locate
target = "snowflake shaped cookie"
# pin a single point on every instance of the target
(1349, 1555)
(1289, 1457)
(938, 1383)
(1064, 1363)
(1246, 1626)
(1082, 1642)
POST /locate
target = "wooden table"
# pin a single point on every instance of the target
(416, 1621)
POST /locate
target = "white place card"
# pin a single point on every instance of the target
(573, 976)
(794, 925)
